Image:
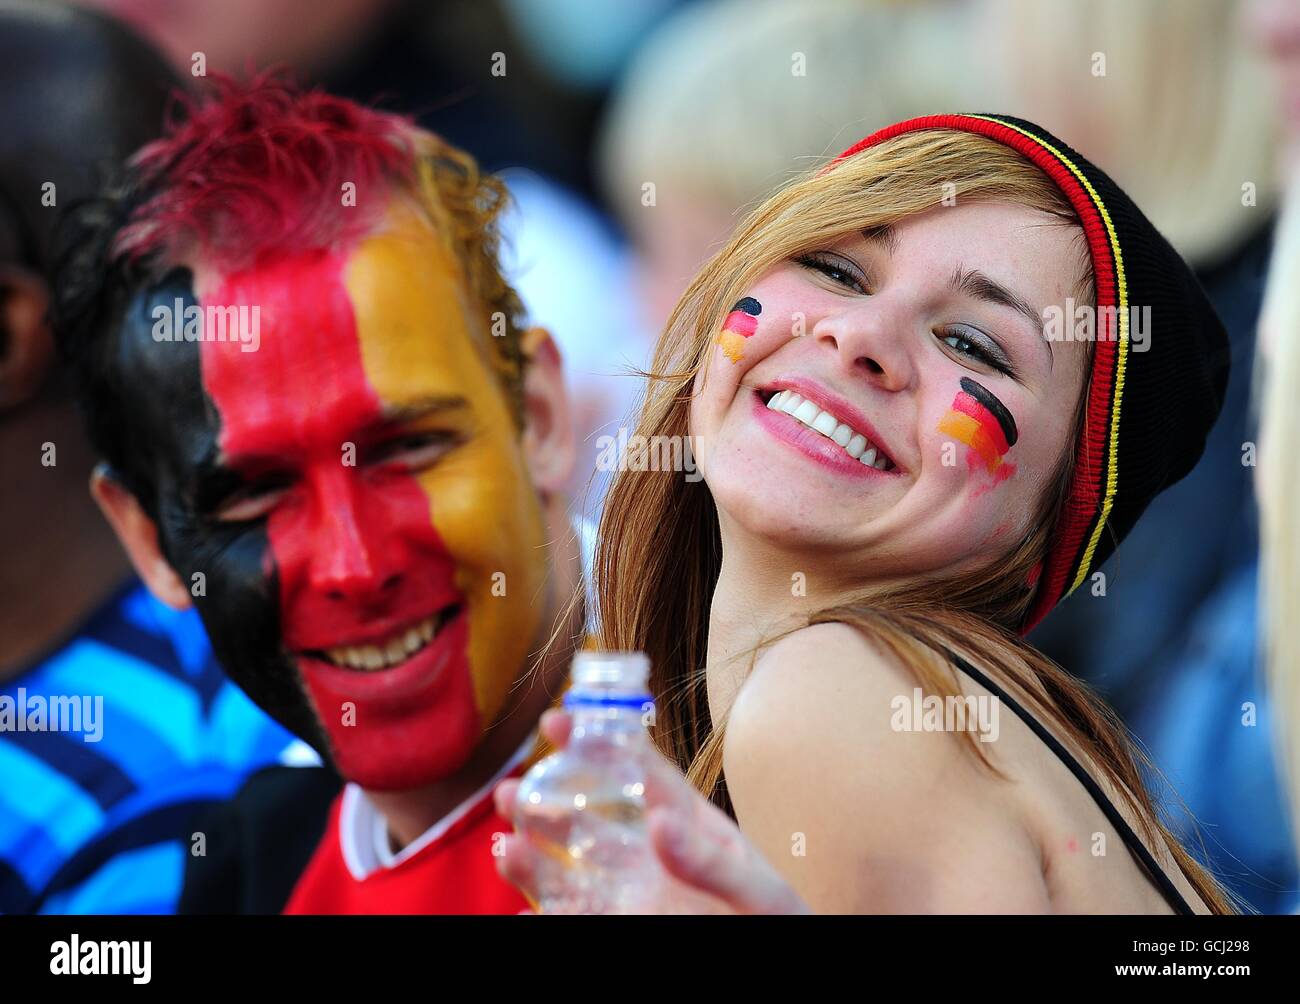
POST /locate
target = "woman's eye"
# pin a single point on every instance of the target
(959, 342)
(837, 269)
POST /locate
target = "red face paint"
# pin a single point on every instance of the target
(979, 420)
(354, 547)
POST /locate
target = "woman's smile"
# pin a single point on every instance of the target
(838, 441)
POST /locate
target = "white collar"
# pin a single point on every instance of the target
(363, 831)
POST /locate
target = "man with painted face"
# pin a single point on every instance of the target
(314, 399)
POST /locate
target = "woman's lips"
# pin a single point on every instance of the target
(826, 399)
(811, 444)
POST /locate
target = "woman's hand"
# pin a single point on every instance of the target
(715, 868)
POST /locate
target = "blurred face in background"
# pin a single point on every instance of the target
(673, 242)
(1275, 27)
(234, 33)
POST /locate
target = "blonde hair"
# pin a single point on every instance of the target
(1169, 97)
(1277, 483)
(659, 550)
(729, 100)
(465, 205)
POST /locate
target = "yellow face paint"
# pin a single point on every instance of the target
(419, 341)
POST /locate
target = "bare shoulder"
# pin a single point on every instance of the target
(859, 810)
(828, 694)
(806, 671)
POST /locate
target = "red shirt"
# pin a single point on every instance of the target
(454, 872)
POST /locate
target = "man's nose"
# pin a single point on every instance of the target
(354, 555)
(870, 339)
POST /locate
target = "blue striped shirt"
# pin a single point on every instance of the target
(97, 816)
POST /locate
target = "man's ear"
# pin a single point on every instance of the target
(26, 342)
(548, 428)
(139, 538)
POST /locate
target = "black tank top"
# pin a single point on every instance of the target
(1136, 847)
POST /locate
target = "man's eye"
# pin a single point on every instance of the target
(251, 502)
(411, 452)
(839, 270)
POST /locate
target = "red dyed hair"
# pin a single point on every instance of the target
(247, 171)
(256, 171)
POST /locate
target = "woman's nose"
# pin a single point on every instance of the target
(869, 340)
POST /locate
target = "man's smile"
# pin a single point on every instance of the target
(388, 649)
(417, 680)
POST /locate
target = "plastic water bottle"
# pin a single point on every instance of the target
(584, 807)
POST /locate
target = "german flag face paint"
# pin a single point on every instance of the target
(980, 421)
(356, 495)
(740, 324)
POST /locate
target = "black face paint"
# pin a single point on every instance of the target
(741, 323)
(177, 428)
(996, 408)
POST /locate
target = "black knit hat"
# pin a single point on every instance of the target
(1148, 411)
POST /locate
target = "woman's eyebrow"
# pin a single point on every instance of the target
(884, 235)
(975, 283)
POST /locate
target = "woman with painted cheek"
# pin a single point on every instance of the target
(930, 388)
(909, 394)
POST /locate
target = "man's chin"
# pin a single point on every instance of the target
(413, 751)
(403, 771)
(400, 728)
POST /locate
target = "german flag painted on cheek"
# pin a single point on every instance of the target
(980, 420)
(1147, 413)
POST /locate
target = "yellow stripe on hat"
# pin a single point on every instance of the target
(1121, 360)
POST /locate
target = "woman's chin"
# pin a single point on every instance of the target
(785, 521)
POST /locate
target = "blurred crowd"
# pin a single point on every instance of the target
(633, 136)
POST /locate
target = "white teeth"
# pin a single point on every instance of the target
(825, 423)
(806, 412)
(831, 427)
(393, 651)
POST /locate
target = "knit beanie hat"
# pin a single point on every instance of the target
(1149, 408)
